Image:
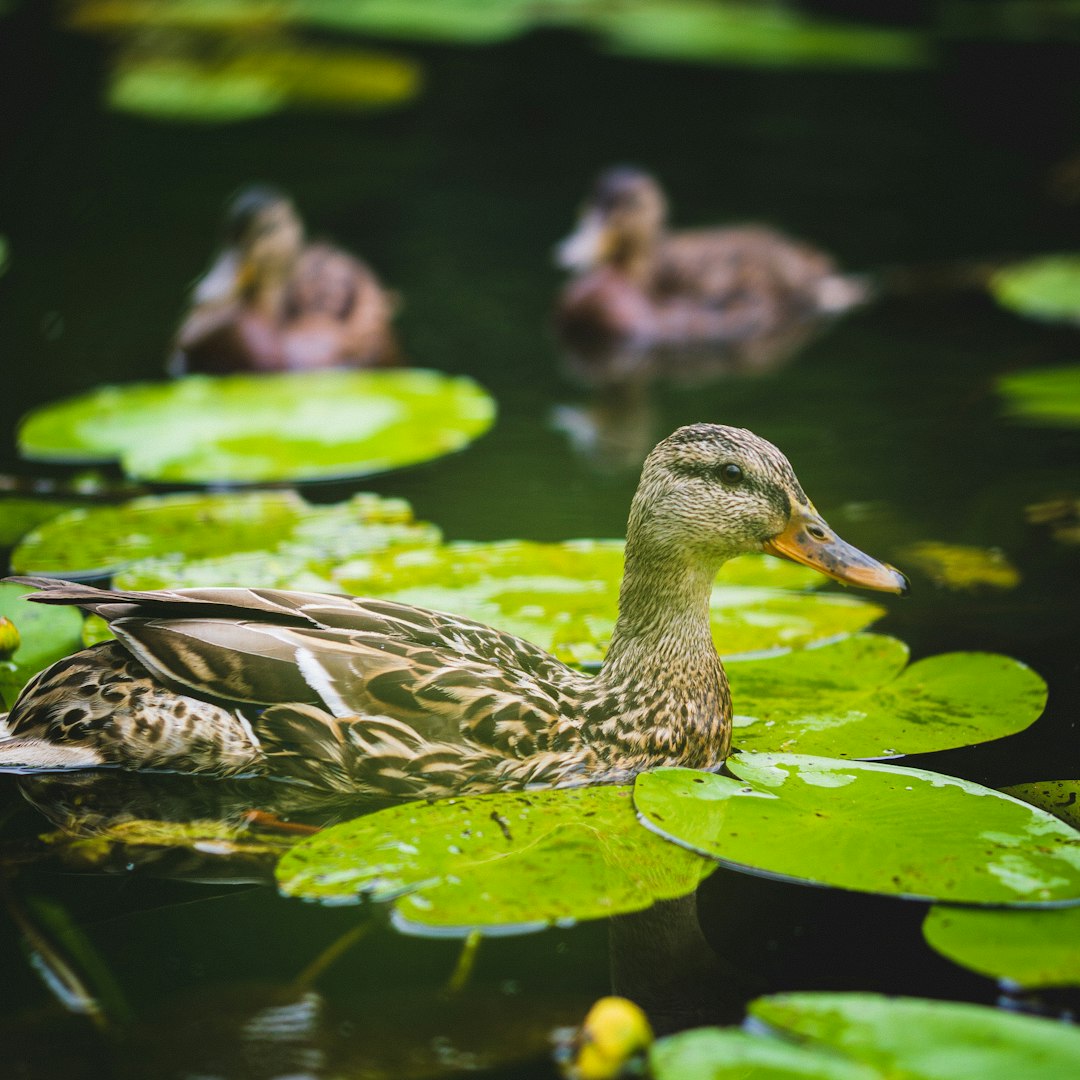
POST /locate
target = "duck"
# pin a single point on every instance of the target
(365, 696)
(274, 301)
(635, 282)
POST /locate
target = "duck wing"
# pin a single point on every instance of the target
(448, 678)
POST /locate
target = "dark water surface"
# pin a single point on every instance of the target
(889, 417)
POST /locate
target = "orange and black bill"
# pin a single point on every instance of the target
(810, 541)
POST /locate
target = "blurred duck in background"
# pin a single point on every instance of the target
(274, 302)
(638, 284)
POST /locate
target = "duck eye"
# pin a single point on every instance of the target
(731, 474)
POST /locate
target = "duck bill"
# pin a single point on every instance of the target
(584, 247)
(809, 540)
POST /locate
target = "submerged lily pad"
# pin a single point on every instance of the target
(1032, 949)
(46, 634)
(1043, 395)
(856, 698)
(1044, 288)
(920, 1039)
(263, 428)
(169, 531)
(868, 827)
(1060, 797)
(961, 567)
(517, 861)
(564, 597)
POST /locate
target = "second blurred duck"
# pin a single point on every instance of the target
(274, 302)
(637, 283)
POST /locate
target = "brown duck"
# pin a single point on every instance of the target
(274, 302)
(366, 696)
(635, 282)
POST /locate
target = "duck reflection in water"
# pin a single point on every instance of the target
(645, 303)
(272, 301)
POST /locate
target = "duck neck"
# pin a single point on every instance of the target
(663, 624)
(662, 670)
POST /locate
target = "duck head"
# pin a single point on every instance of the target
(709, 493)
(620, 222)
(264, 235)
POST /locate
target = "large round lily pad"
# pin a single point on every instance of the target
(919, 1039)
(868, 827)
(565, 596)
(20, 514)
(1043, 395)
(855, 698)
(172, 530)
(506, 862)
(263, 428)
(1044, 288)
(46, 634)
(1032, 949)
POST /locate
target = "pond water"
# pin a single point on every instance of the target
(890, 418)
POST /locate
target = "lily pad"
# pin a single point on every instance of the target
(1031, 949)
(46, 634)
(855, 698)
(501, 863)
(20, 514)
(868, 827)
(564, 597)
(962, 567)
(246, 429)
(730, 1054)
(1044, 288)
(245, 79)
(172, 530)
(1060, 797)
(924, 1040)
(1048, 396)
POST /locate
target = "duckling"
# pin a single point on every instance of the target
(367, 696)
(274, 302)
(635, 282)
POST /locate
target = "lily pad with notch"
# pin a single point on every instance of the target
(868, 827)
(856, 698)
(251, 429)
(165, 534)
(502, 863)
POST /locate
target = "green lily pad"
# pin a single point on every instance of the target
(919, 1039)
(515, 861)
(172, 530)
(730, 1054)
(867, 827)
(1043, 395)
(962, 567)
(1044, 288)
(46, 634)
(564, 597)
(855, 698)
(1060, 797)
(20, 514)
(1032, 949)
(263, 428)
(250, 78)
